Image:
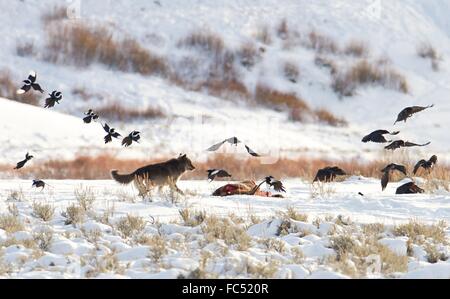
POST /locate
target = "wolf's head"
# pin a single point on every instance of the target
(186, 162)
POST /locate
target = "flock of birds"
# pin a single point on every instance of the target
(327, 174)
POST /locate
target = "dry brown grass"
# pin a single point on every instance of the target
(192, 217)
(354, 255)
(280, 101)
(9, 86)
(224, 229)
(365, 73)
(43, 211)
(283, 30)
(130, 226)
(204, 41)
(321, 43)
(427, 51)
(248, 55)
(263, 35)
(11, 223)
(329, 118)
(25, 49)
(325, 62)
(82, 46)
(298, 110)
(241, 169)
(74, 215)
(419, 232)
(356, 48)
(291, 72)
(116, 111)
(57, 13)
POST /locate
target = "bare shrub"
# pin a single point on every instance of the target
(107, 263)
(329, 118)
(418, 232)
(291, 72)
(273, 244)
(43, 238)
(356, 48)
(263, 270)
(283, 30)
(82, 46)
(365, 73)
(25, 49)
(222, 228)
(43, 211)
(321, 43)
(204, 41)
(279, 100)
(433, 254)
(11, 223)
(130, 225)
(57, 13)
(9, 86)
(85, 198)
(324, 62)
(15, 195)
(292, 213)
(158, 248)
(427, 51)
(116, 111)
(74, 215)
(248, 55)
(353, 255)
(192, 218)
(343, 245)
(263, 35)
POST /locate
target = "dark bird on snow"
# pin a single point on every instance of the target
(427, 165)
(232, 141)
(409, 188)
(20, 164)
(328, 174)
(90, 116)
(400, 143)
(409, 111)
(55, 97)
(30, 83)
(220, 173)
(377, 136)
(111, 133)
(276, 184)
(38, 184)
(133, 136)
(387, 173)
(359, 193)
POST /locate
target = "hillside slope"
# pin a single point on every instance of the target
(391, 30)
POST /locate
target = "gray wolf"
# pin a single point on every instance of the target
(160, 174)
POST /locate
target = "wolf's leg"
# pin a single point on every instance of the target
(178, 189)
(173, 186)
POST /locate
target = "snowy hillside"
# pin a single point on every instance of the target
(391, 30)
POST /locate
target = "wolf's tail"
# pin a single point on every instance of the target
(122, 178)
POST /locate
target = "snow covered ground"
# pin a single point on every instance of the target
(165, 246)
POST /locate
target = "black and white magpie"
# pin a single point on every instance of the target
(133, 136)
(30, 83)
